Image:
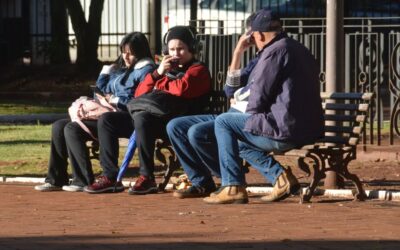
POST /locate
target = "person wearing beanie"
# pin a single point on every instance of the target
(193, 138)
(283, 112)
(116, 83)
(179, 77)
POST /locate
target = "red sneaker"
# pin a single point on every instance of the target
(144, 185)
(104, 185)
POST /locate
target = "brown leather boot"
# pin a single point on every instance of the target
(285, 185)
(228, 195)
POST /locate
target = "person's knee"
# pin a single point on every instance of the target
(141, 121)
(200, 133)
(173, 128)
(105, 121)
(57, 128)
(72, 130)
(222, 120)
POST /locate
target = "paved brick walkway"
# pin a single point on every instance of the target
(61, 220)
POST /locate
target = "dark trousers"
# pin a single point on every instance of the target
(68, 140)
(112, 126)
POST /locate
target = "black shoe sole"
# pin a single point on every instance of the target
(105, 190)
(149, 191)
(243, 201)
(188, 196)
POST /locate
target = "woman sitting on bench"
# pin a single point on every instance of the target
(117, 83)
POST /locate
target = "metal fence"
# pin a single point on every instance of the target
(25, 28)
(231, 13)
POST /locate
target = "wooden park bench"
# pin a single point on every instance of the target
(345, 116)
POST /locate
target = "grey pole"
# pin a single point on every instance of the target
(334, 59)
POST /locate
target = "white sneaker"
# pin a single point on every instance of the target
(47, 187)
(72, 188)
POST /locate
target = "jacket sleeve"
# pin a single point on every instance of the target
(139, 76)
(265, 84)
(102, 82)
(245, 72)
(242, 79)
(148, 83)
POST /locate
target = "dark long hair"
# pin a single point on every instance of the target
(138, 44)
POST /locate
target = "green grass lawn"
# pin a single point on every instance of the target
(25, 149)
(13, 107)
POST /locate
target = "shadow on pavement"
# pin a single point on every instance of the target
(147, 242)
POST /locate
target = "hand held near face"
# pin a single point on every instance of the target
(168, 63)
(245, 41)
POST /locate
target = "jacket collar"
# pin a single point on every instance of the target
(143, 62)
(276, 38)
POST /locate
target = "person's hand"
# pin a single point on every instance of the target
(245, 41)
(232, 101)
(108, 97)
(166, 64)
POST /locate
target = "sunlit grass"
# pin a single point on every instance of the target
(25, 149)
(31, 107)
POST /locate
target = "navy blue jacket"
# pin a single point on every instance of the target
(244, 77)
(123, 83)
(285, 102)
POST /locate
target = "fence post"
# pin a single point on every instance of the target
(334, 61)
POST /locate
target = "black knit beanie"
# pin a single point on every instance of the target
(182, 33)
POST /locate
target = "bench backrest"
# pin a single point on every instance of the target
(218, 102)
(345, 116)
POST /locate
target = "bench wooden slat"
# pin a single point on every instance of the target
(344, 129)
(345, 118)
(363, 107)
(334, 139)
(347, 96)
(339, 140)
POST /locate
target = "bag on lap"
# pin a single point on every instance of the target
(86, 108)
(159, 103)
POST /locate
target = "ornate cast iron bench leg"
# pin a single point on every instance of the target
(168, 160)
(94, 150)
(317, 174)
(360, 194)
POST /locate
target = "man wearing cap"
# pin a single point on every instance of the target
(283, 112)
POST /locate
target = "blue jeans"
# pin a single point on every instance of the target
(195, 145)
(234, 144)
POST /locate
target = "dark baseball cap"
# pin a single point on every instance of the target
(265, 21)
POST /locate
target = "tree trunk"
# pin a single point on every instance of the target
(87, 33)
(59, 48)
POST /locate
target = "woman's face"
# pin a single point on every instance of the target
(128, 56)
(179, 50)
